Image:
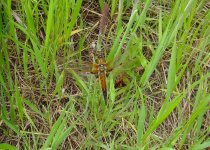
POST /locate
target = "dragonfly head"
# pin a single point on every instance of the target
(99, 54)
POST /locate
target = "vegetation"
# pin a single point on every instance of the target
(160, 56)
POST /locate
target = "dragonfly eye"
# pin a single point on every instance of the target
(100, 55)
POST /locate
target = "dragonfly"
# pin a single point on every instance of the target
(101, 68)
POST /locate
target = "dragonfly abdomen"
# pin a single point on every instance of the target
(102, 80)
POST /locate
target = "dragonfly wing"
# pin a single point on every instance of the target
(85, 67)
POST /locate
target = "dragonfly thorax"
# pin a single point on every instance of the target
(102, 67)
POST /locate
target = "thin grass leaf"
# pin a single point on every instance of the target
(113, 7)
(79, 81)
(166, 148)
(154, 60)
(202, 47)
(64, 135)
(1, 27)
(53, 131)
(171, 71)
(10, 125)
(135, 4)
(3, 83)
(33, 107)
(29, 16)
(5, 146)
(141, 122)
(101, 3)
(18, 99)
(37, 51)
(25, 63)
(119, 16)
(58, 88)
(12, 108)
(59, 132)
(130, 23)
(195, 114)
(196, 83)
(160, 27)
(30, 120)
(113, 50)
(50, 19)
(198, 100)
(111, 88)
(166, 39)
(204, 145)
(162, 115)
(74, 16)
(142, 17)
(3, 102)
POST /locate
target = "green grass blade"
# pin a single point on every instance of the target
(160, 27)
(18, 99)
(171, 72)
(75, 14)
(142, 17)
(130, 23)
(141, 122)
(5, 146)
(119, 16)
(30, 120)
(195, 114)
(37, 51)
(29, 16)
(111, 88)
(113, 7)
(63, 135)
(10, 125)
(79, 81)
(162, 115)
(58, 88)
(50, 19)
(204, 145)
(53, 131)
(166, 39)
(33, 107)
